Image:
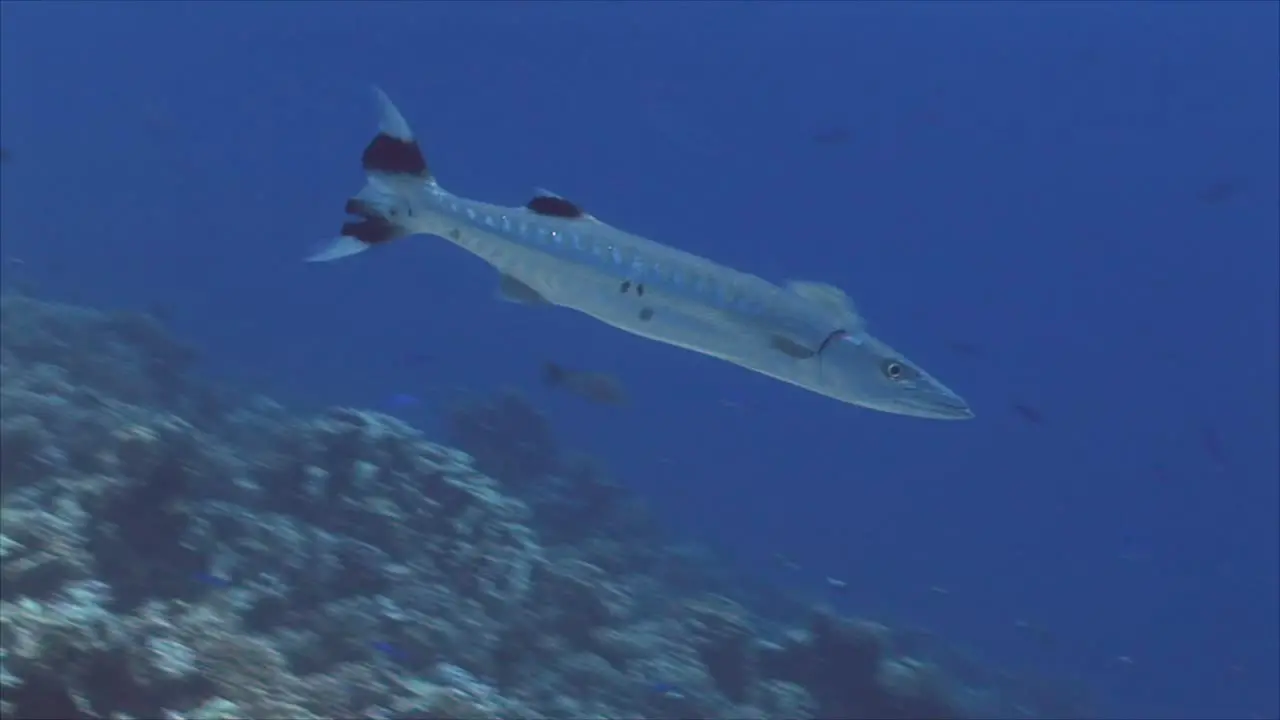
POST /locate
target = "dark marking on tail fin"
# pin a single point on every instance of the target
(552, 206)
(394, 156)
(372, 228)
(356, 206)
(552, 374)
(370, 231)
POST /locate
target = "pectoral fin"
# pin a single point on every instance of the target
(791, 348)
(513, 290)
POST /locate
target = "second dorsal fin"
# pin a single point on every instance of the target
(545, 202)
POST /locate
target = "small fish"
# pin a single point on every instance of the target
(961, 347)
(786, 562)
(1213, 447)
(418, 358)
(1028, 413)
(1041, 635)
(402, 400)
(831, 136)
(596, 387)
(210, 579)
(837, 585)
(667, 690)
(1220, 191)
(390, 650)
(160, 311)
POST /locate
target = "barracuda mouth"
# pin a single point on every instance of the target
(948, 406)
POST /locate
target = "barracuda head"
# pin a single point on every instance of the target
(861, 370)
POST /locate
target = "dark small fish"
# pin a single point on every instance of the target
(786, 562)
(1028, 413)
(964, 348)
(391, 650)
(596, 387)
(160, 311)
(1212, 443)
(668, 690)
(418, 358)
(210, 579)
(1220, 191)
(1160, 473)
(1042, 636)
(402, 400)
(832, 136)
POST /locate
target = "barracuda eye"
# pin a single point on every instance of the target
(895, 370)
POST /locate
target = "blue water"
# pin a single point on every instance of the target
(1066, 207)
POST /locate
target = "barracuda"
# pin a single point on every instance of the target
(551, 252)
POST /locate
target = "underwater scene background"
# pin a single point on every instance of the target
(233, 484)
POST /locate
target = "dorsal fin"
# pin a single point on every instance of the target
(829, 297)
(545, 202)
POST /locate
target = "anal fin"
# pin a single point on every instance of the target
(516, 291)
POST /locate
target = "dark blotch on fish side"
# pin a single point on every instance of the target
(596, 387)
(646, 314)
(626, 285)
(640, 290)
(395, 156)
(554, 207)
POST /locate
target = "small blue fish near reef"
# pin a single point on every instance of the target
(402, 400)
(551, 252)
(208, 579)
(390, 650)
(668, 691)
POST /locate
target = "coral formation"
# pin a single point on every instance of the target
(168, 552)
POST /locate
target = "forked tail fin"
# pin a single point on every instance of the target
(395, 167)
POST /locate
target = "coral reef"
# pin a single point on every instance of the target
(166, 552)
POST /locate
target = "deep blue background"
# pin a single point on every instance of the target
(1086, 194)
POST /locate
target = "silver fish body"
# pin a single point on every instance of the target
(551, 252)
